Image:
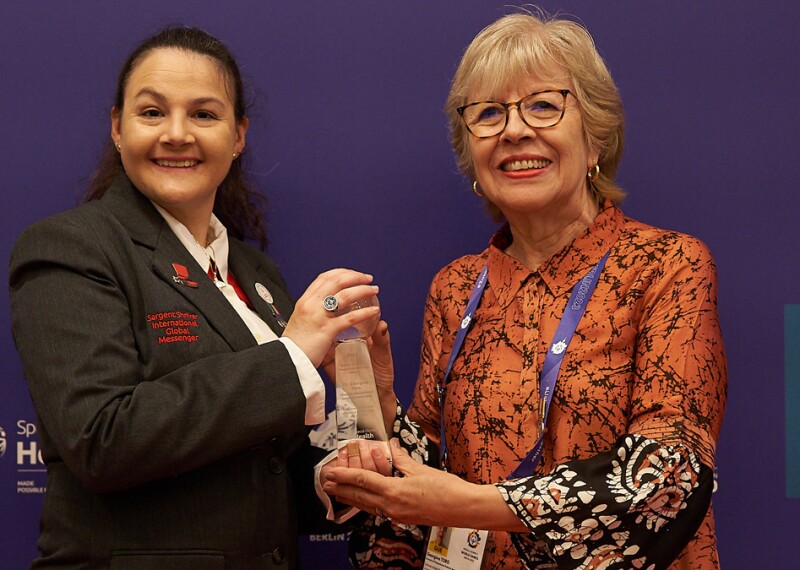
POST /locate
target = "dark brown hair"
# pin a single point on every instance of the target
(237, 204)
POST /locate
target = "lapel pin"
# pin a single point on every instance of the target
(264, 293)
(181, 276)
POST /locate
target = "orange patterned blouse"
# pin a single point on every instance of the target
(626, 474)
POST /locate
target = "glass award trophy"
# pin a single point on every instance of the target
(358, 408)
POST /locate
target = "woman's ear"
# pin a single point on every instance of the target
(241, 131)
(115, 126)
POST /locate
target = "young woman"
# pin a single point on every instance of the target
(173, 377)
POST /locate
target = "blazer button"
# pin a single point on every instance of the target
(275, 465)
(279, 555)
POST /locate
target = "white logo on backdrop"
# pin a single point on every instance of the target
(3, 442)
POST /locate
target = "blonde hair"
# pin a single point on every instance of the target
(520, 45)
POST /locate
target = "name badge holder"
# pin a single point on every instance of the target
(462, 549)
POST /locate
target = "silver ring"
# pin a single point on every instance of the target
(330, 304)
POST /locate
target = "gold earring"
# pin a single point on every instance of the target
(119, 146)
(475, 189)
(593, 173)
(235, 154)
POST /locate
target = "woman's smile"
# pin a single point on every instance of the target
(517, 166)
(177, 163)
(177, 133)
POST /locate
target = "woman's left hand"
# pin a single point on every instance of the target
(313, 328)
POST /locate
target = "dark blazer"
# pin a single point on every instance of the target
(172, 440)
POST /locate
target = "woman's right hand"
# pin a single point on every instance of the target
(421, 495)
(313, 328)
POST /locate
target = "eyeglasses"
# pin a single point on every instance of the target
(538, 110)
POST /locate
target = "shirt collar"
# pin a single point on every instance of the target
(217, 247)
(563, 269)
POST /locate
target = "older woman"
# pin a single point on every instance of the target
(572, 374)
(173, 377)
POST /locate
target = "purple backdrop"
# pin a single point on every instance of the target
(349, 142)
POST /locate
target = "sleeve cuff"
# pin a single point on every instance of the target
(310, 381)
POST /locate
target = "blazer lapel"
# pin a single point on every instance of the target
(249, 275)
(209, 300)
(173, 263)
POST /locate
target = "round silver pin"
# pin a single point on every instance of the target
(264, 293)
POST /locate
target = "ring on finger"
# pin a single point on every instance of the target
(380, 514)
(330, 304)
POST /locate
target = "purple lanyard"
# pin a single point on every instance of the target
(548, 377)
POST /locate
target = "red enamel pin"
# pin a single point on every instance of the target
(181, 276)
